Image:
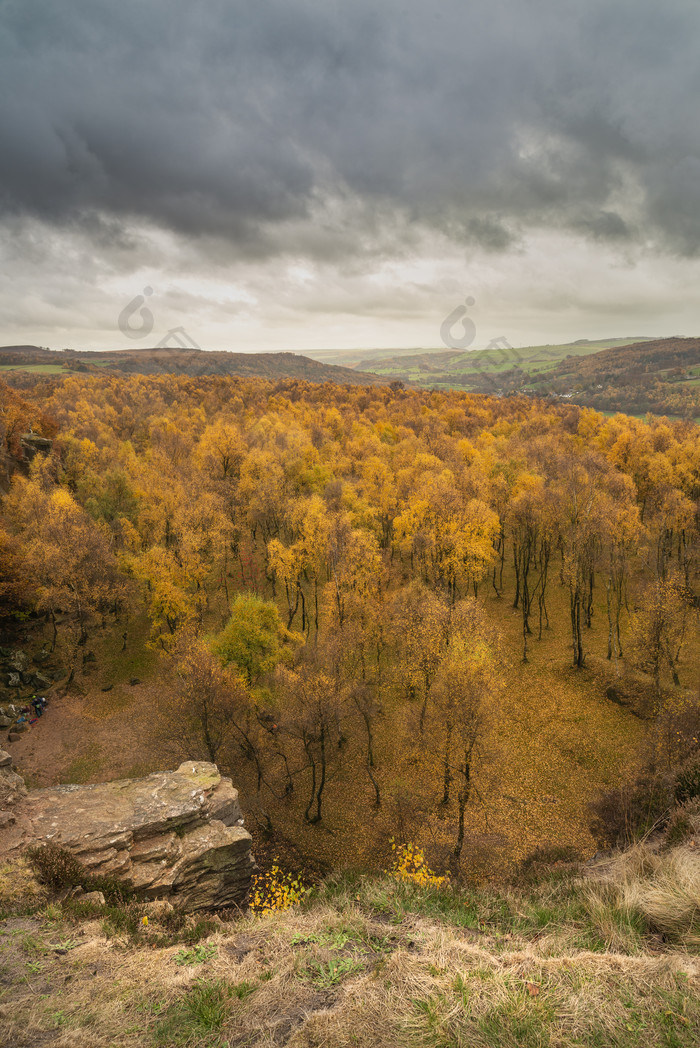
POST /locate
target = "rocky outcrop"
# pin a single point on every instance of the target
(12, 790)
(33, 443)
(173, 835)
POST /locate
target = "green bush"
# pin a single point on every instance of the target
(624, 815)
(546, 859)
(253, 640)
(58, 868)
(687, 782)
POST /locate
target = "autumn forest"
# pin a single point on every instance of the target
(443, 617)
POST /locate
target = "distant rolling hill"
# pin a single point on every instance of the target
(661, 376)
(480, 370)
(631, 375)
(17, 361)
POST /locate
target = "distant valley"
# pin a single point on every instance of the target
(631, 375)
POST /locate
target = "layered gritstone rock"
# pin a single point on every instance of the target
(173, 835)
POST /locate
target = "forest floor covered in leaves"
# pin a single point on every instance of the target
(555, 741)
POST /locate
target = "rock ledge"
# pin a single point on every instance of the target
(173, 835)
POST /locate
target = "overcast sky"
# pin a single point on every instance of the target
(297, 174)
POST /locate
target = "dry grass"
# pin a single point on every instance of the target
(19, 886)
(653, 890)
(371, 962)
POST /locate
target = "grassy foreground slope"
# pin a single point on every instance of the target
(562, 959)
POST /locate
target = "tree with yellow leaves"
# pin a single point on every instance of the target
(659, 628)
(465, 679)
(65, 555)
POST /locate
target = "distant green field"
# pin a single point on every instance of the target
(446, 367)
(52, 369)
(46, 369)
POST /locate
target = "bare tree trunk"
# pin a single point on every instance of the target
(462, 801)
(447, 775)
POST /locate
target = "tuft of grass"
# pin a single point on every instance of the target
(20, 890)
(647, 892)
(202, 1011)
(243, 989)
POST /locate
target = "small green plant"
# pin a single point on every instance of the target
(332, 940)
(242, 990)
(196, 954)
(329, 973)
(66, 944)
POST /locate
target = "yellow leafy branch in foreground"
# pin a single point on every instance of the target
(275, 891)
(410, 865)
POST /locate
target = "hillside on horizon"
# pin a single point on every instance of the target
(173, 361)
(476, 369)
(635, 376)
(661, 376)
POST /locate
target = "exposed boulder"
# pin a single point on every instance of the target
(12, 788)
(18, 661)
(173, 835)
(32, 443)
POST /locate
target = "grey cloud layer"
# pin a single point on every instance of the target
(266, 125)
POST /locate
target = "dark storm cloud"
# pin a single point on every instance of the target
(248, 121)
